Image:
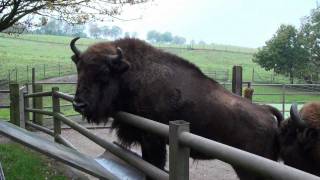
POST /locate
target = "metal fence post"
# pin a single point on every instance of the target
(27, 73)
(178, 154)
(252, 78)
(283, 99)
(56, 109)
(59, 68)
(16, 74)
(44, 70)
(237, 80)
(14, 104)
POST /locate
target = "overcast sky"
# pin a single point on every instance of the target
(246, 23)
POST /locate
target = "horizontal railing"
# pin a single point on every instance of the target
(130, 158)
(250, 162)
(228, 154)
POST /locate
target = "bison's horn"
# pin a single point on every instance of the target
(295, 117)
(73, 47)
(118, 56)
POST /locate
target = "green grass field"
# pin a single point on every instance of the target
(20, 163)
(47, 52)
(50, 55)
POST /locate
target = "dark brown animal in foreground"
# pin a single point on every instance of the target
(300, 138)
(148, 82)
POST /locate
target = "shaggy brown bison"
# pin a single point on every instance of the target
(300, 138)
(130, 75)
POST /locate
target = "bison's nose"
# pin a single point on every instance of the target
(79, 106)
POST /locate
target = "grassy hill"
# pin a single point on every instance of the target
(50, 55)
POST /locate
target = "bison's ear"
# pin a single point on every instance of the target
(117, 63)
(119, 66)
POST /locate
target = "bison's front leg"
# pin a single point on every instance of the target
(154, 151)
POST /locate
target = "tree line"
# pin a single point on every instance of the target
(294, 51)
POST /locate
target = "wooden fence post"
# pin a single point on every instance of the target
(283, 99)
(237, 80)
(22, 121)
(38, 104)
(56, 109)
(178, 154)
(14, 104)
(36, 101)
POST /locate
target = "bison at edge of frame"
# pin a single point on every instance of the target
(300, 138)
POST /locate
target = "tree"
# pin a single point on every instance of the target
(115, 32)
(179, 40)
(72, 11)
(284, 53)
(310, 32)
(94, 30)
(105, 31)
(53, 27)
(153, 36)
(166, 37)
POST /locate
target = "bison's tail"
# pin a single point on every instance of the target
(275, 112)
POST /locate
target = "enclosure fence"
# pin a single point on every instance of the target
(180, 141)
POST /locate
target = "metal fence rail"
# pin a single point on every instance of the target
(180, 140)
(234, 156)
(1, 173)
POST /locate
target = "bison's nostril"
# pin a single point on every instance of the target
(79, 106)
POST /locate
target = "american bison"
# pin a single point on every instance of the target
(300, 138)
(130, 75)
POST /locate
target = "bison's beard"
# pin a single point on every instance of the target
(101, 104)
(99, 114)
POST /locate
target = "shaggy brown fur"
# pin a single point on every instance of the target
(310, 113)
(300, 146)
(149, 82)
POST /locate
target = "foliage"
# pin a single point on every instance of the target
(166, 37)
(113, 32)
(94, 30)
(310, 31)
(60, 28)
(284, 53)
(13, 12)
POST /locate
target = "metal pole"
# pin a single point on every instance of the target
(56, 109)
(252, 78)
(59, 66)
(27, 73)
(179, 154)
(283, 99)
(44, 70)
(16, 74)
(9, 76)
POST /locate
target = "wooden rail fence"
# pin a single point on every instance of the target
(180, 142)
